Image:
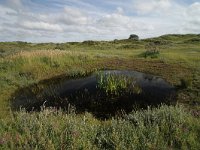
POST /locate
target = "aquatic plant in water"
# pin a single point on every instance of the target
(116, 84)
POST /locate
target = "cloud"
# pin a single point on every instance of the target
(68, 20)
(194, 10)
(114, 20)
(5, 13)
(149, 6)
(16, 5)
(122, 23)
(72, 16)
(192, 20)
(40, 26)
(120, 10)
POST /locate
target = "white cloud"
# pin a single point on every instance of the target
(149, 6)
(192, 20)
(113, 20)
(5, 10)
(15, 4)
(120, 10)
(83, 21)
(72, 16)
(40, 26)
(194, 11)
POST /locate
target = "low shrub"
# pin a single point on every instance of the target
(167, 127)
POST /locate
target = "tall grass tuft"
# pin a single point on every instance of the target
(117, 84)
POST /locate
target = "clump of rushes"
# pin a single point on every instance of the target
(114, 84)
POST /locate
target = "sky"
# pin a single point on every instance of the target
(80, 20)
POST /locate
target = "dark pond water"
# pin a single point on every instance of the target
(85, 95)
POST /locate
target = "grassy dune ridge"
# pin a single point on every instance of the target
(178, 62)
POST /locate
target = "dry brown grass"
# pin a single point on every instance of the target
(43, 53)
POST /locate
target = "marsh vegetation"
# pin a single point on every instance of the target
(32, 73)
(113, 84)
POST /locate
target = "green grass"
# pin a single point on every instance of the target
(113, 84)
(168, 127)
(162, 128)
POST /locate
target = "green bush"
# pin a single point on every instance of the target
(152, 50)
(150, 54)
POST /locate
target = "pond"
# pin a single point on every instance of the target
(103, 93)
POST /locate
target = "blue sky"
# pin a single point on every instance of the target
(79, 20)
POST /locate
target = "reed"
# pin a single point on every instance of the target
(115, 84)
